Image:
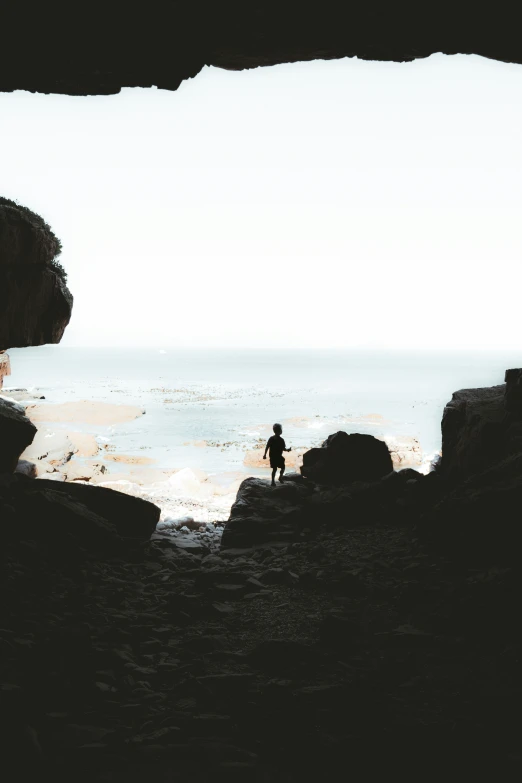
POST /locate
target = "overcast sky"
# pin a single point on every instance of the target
(324, 204)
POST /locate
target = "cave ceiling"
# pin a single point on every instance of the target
(98, 48)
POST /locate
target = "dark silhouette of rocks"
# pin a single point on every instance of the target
(478, 517)
(16, 433)
(35, 302)
(513, 393)
(132, 518)
(173, 41)
(67, 520)
(481, 428)
(473, 432)
(344, 458)
(264, 513)
(335, 619)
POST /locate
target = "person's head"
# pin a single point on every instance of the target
(277, 429)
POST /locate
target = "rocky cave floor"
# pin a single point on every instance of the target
(356, 650)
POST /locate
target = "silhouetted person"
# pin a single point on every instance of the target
(276, 445)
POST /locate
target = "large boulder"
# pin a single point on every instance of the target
(480, 518)
(61, 524)
(132, 518)
(480, 428)
(35, 302)
(263, 513)
(482, 466)
(16, 433)
(344, 458)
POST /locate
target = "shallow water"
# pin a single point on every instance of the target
(204, 409)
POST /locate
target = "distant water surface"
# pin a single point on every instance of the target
(204, 408)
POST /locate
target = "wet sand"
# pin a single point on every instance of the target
(103, 414)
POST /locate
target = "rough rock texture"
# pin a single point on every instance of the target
(131, 517)
(364, 643)
(61, 523)
(480, 518)
(478, 431)
(5, 367)
(513, 391)
(16, 433)
(263, 513)
(173, 41)
(35, 303)
(482, 463)
(345, 458)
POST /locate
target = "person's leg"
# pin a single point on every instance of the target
(274, 471)
(282, 470)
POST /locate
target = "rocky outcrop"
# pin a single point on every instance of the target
(16, 433)
(63, 526)
(176, 40)
(132, 518)
(5, 367)
(299, 508)
(479, 430)
(69, 520)
(263, 513)
(482, 462)
(344, 458)
(479, 519)
(35, 302)
(122, 656)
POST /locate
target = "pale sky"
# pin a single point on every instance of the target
(323, 204)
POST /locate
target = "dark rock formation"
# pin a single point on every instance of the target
(344, 458)
(173, 41)
(16, 433)
(262, 513)
(300, 508)
(62, 525)
(513, 392)
(132, 518)
(35, 302)
(479, 430)
(71, 520)
(122, 660)
(479, 520)
(482, 463)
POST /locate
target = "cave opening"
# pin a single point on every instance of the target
(186, 217)
(322, 244)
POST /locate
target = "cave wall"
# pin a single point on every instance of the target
(35, 303)
(100, 47)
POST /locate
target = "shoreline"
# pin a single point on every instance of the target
(66, 448)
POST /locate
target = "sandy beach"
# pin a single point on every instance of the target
(85, 412)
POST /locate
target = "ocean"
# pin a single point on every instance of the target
(206, 409)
